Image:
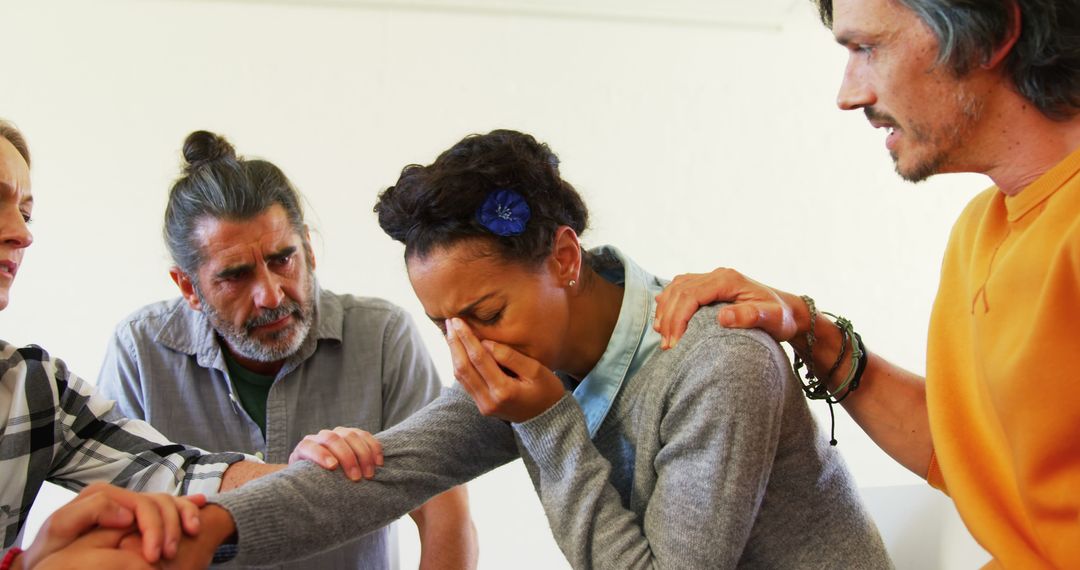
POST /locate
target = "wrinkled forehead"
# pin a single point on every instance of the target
(450, 279)
(14, 173)
(226, 242)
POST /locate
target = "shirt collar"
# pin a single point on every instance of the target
(632, 341)
(187, 330)
(1042, 188)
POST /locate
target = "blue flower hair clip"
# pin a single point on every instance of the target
(504, 212)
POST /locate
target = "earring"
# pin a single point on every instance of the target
(572, 283)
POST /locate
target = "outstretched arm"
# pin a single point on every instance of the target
(305, 509)
(890, 404)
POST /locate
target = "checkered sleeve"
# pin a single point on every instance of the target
(59, 429)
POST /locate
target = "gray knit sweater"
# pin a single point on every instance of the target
(709, 458)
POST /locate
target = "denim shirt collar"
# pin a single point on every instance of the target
(189, 331)
(632, 341)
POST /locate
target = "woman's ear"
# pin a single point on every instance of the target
(566, 256)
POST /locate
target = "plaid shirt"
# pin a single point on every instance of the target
(57, 428)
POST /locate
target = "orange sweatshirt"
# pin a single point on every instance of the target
(1003, 372)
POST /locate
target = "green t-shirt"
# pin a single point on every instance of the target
(252, 388)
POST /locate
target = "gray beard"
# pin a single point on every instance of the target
(240, 341)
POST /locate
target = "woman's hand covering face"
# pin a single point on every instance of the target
(503, 382)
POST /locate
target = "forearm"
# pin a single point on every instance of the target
(436, 449)
(245, 471)
(447, 534)
(890, 403)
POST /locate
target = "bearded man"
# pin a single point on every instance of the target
(254, 354)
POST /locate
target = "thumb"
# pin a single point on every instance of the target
(81, 515)
(767, 316)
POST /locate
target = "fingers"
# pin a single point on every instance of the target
(535, 390)
(162, 519)
(189, 512)
(511, 359)
(78, 517)
(315, 448)
(753, 305)
(365, 448)
(480, 358)
(357, 451)
(161, 532)
(464, 371)
(676, 305)
(95, 508)
(144, 509)
(672, 323)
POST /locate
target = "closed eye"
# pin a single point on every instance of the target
(489, 320)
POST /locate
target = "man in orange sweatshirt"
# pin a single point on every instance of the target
(991, 87)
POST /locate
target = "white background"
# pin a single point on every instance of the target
(694, 144)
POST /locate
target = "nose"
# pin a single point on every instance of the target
(15, 232)
(268, 293)
(855, 91)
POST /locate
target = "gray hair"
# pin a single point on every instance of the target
(216, 184)
(11, 133)
(1045, 62)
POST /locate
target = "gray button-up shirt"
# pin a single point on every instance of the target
(363, 365)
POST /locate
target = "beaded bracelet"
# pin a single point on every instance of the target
(9, 558)
(816, 386)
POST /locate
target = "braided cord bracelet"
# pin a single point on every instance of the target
(816, 387)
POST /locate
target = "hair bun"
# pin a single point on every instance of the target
(202, 147)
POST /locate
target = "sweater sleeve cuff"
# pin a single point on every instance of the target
(547, 436)
(256, 534)
(934, 476)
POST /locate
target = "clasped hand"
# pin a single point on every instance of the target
(102, 527)
(481, 367)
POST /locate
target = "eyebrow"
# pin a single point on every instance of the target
(467, 310)
(237, 270)
(27, 201)
(848, 37)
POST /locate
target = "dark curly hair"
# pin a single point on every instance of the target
(218, 184)
(1045, 62)
(436, 205)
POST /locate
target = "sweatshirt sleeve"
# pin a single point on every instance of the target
(718, 435)
(305, 509)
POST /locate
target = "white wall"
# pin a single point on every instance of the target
(694, 145)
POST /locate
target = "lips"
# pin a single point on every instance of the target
(274, 325)
(892, 138)
(8, 268)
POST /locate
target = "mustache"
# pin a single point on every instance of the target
(873, 114)
(268, 316)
